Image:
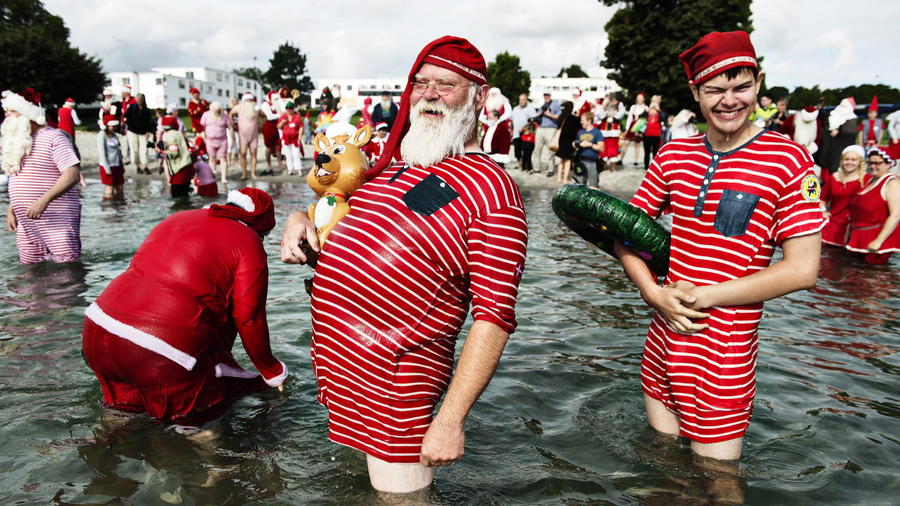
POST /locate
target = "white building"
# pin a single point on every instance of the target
(166, 85)
(352, 92)
(561, 88)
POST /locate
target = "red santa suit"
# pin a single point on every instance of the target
(270, 127)
(497, 136)
(67, 118)
(159, 337)
(195, 110)
(611, 132)
(375, 148)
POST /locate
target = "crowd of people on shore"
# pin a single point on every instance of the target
(855, 158)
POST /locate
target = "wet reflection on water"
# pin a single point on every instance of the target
(562, 422)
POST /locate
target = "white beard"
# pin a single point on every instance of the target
(16, 133)
(428, 142)
(386, 105)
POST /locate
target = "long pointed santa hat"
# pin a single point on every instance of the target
(452, 53)
(28, 104)
(874, 105)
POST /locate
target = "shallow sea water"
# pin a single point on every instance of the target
(561, 423)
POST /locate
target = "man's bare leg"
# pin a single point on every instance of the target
(398, 478)
(719, 461)
(244, 162)
(253, 161)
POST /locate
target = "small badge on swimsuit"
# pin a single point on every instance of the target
(810, 188)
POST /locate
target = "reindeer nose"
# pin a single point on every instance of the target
(322, 159)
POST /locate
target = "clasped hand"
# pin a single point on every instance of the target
(679, 304)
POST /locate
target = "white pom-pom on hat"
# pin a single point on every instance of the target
(241, 200)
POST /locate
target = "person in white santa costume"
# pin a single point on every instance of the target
(497, 127)
(159, 337)
(806, 126)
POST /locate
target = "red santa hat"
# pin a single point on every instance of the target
(284, 92)
(452, 53)
(249, 97)
(193, 90)
(717, 52)
(111, 120)
(28, 104)
(381, 125)
(251, 206)
(874, 105)
(126, 88)
(270, 95)
(168, 122)
(69, 101)
(810, 108)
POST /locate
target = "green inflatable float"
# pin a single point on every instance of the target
(600, 218)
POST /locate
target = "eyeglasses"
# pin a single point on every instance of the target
(877, 164)
(421, 85)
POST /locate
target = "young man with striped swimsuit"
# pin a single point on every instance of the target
(736, 192)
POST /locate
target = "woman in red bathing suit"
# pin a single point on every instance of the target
(837, 190)
(875, 212)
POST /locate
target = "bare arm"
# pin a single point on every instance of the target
(669, 301)
(67, 178)
(797, 271)
(892, 190)
(444, 441)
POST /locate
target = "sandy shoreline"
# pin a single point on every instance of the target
(623, 182)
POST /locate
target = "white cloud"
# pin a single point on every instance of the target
(804, 42)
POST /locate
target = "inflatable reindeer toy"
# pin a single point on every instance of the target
(340, 168)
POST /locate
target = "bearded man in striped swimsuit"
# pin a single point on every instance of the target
(425, 237)
(44, 209)
(736, 193)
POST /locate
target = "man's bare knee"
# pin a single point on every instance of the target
(398, 478)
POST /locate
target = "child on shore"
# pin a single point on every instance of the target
(109, 152)
(526, 138)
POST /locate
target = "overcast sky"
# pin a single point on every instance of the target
(804, 42)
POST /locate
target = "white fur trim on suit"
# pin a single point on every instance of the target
(139, 337)
(241, 200)
(233, 372)
(278, 380)
(14, 102)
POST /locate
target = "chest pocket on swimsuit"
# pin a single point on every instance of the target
(734, 212)
(431, 194)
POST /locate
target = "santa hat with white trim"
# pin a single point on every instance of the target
(717, 52)
(28, 104)
(251, 206)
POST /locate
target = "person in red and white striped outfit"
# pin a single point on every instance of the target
(44, 209)
(423, 239)
(736, 193)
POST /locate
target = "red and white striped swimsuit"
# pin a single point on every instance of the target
(392, 289)
(57, 234)
(730, 210)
